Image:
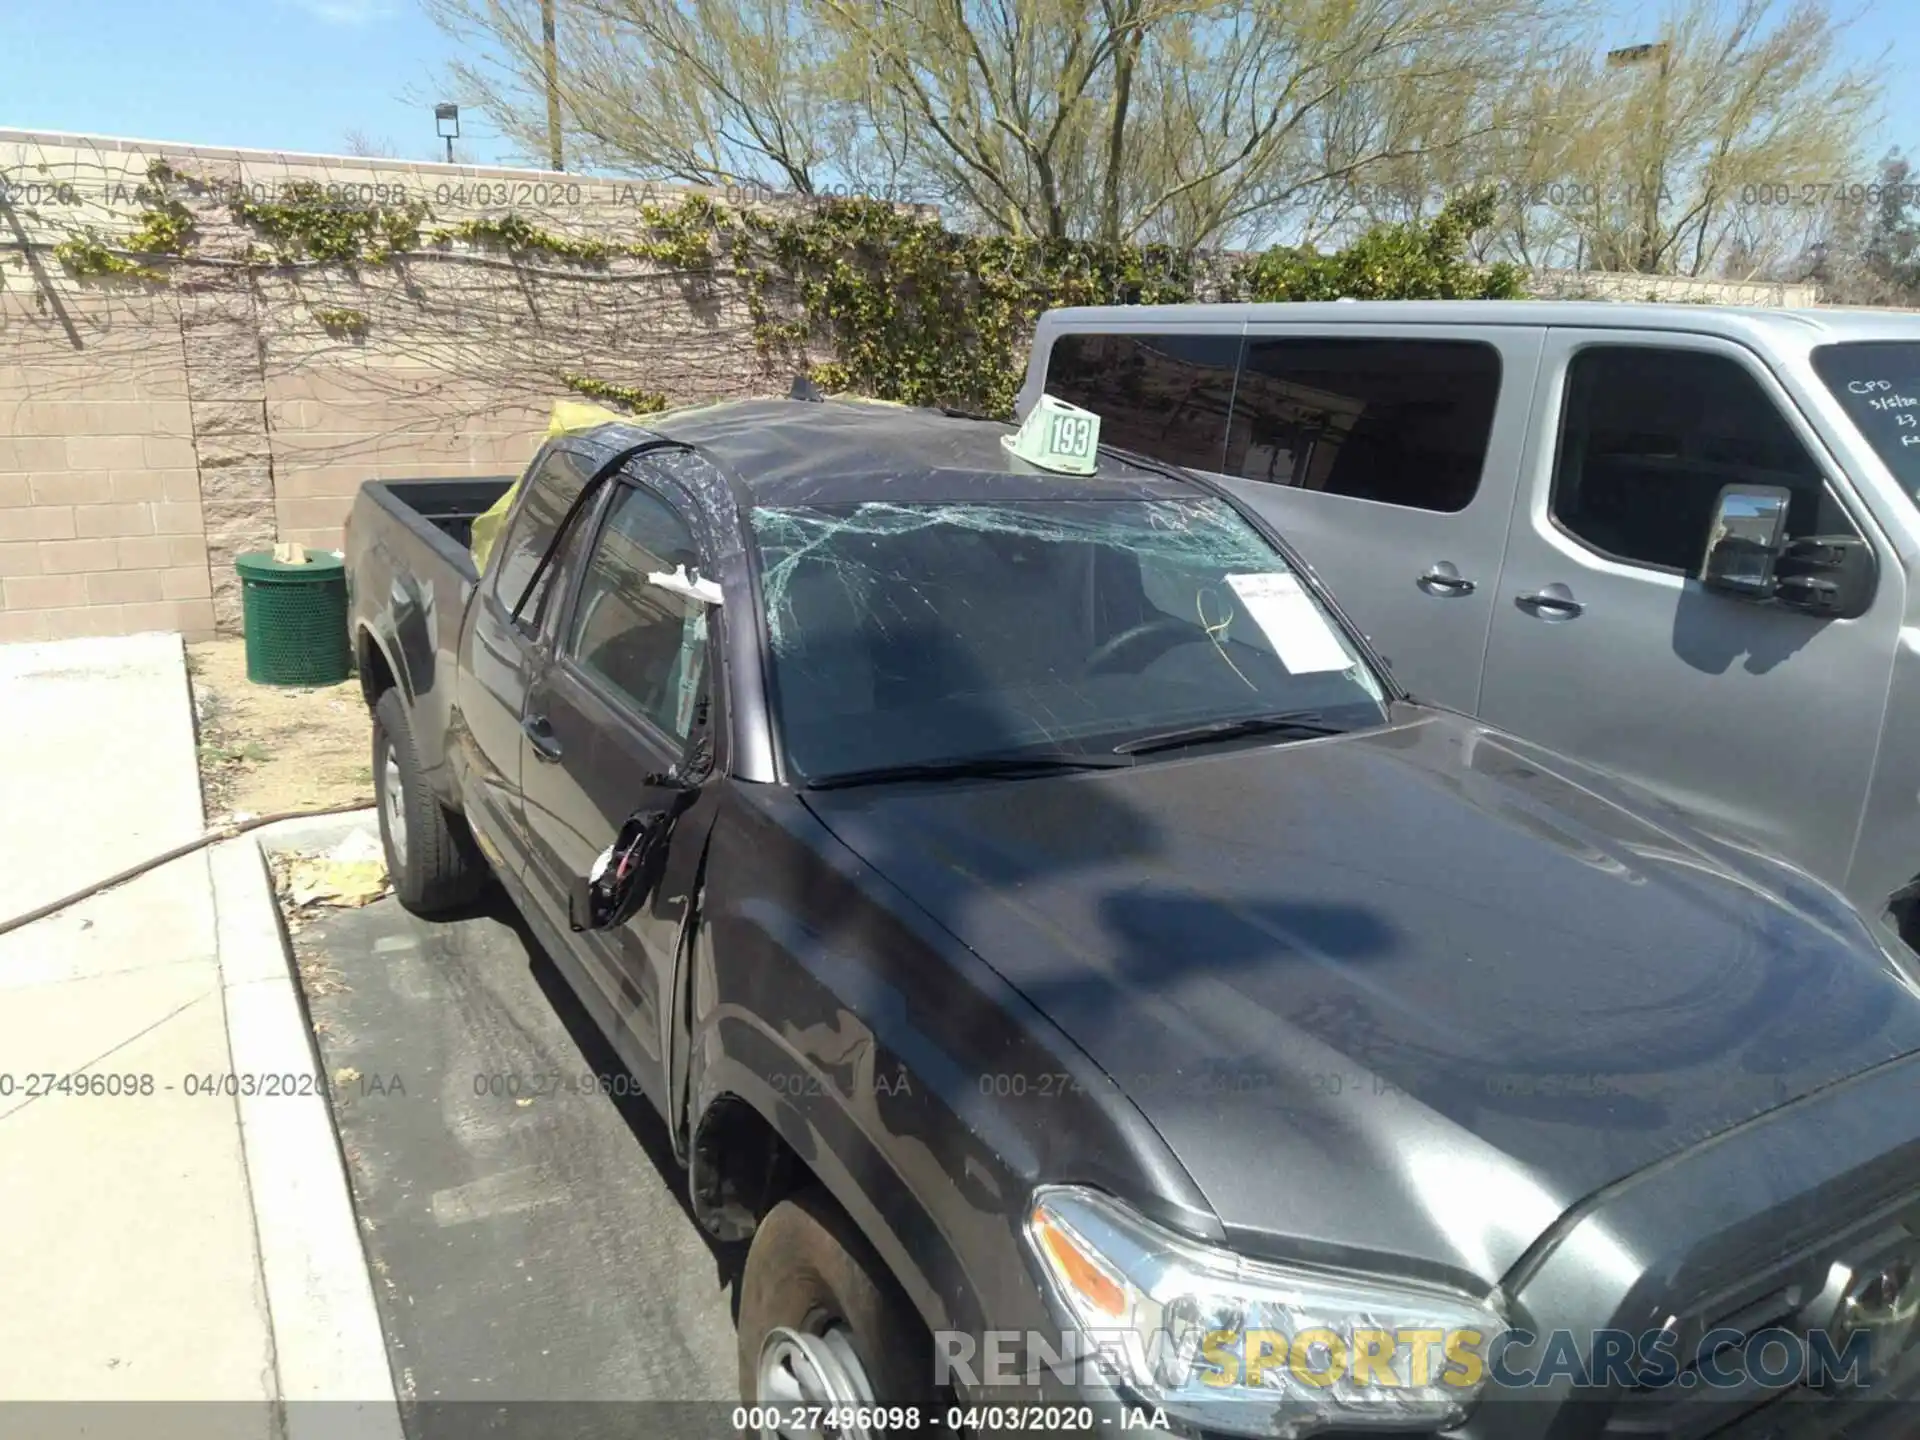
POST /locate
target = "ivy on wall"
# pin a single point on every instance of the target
(305, 224)
(166, 228)
(914, 312)
(628, 397)
(906, 309)
(341, 323)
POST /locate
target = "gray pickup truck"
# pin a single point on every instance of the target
(1105, 1000)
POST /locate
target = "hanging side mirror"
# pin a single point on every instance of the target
(625, 873)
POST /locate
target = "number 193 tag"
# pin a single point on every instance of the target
(1058, 436)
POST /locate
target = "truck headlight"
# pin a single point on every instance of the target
(1251, 1347)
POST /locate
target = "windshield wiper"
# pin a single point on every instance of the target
(1296, 722)
(986, 767)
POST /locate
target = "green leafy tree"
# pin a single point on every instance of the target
(1186, 122)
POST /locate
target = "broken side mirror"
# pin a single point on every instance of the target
(625, 872)
(1749, 522)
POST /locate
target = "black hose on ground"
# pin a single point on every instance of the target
(223, 832)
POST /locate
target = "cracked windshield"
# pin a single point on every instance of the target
(909, 634)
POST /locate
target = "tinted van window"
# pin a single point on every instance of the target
(1877, 383)
(1650, 435)
(1162, 395)
(1403, 422)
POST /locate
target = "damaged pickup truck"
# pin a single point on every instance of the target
(1100, 994)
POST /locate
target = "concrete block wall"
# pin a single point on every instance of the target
(151, 433)
(101, 530)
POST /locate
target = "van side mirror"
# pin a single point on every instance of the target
(1748, 558)
(1749, 522)
(1831, 576)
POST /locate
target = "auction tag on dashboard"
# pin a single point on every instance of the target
(1286, 614)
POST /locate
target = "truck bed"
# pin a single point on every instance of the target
(410, 574)
(449, 504)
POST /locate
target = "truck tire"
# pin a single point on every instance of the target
(433, 862)
(821, 1322)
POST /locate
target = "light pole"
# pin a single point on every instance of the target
(550, 41)
(1661, 51)
(446, 120)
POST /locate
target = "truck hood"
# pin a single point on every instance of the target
(1407, 994)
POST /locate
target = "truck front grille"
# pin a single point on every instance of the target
(1868, 1279)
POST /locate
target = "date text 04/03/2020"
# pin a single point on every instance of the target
(959, 1419)
(114, 1085)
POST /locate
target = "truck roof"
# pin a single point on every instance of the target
(801, 452)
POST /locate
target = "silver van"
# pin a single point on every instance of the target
(1677, 541)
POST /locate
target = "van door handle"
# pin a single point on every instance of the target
(1444, 579)
(1550, 602)
(539, 730)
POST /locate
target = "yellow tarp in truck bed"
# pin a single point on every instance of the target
(568, 415)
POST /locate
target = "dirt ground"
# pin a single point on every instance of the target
(268, 748)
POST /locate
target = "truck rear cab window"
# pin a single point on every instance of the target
(553, 483)
(1401, 422)
(1158, 394)
(648, 644)
(1648, 437)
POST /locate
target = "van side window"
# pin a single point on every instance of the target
(1649, 436)
(554, 482)
(1401, 422)
(1161, 395)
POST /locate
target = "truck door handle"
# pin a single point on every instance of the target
(539, 730)
(1444, 579)
(1550, 602)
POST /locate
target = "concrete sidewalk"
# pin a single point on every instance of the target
(164, 1235)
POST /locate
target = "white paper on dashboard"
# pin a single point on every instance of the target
(1286, 614)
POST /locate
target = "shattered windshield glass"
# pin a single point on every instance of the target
(904, 634)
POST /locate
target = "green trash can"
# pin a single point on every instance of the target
(295, 617)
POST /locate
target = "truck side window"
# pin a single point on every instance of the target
(1401, 422)
(1161, 395)
(553, 484)
(647, 643)
(1650, 435)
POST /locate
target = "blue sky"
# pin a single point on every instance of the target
(269, 74)
(299, 74)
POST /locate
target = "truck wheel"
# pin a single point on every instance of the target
(434, 865)
(823, 1323)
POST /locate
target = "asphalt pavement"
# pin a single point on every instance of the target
(534, 1262)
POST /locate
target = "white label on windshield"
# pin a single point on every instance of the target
(1301, 636)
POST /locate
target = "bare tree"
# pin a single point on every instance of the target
(1195, 122)
(1713, 149)
(1867, 249)
(1187, 121)
(710, 92)
(358, 142)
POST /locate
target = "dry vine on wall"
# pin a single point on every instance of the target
(640, 304)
